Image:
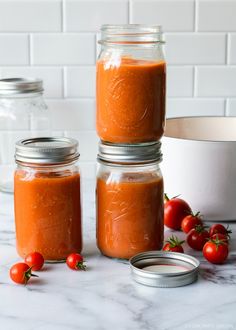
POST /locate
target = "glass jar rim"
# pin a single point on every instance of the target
(132, 27)
(128, 34)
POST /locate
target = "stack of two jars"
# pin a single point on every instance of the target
(130, 118)
(130, 122)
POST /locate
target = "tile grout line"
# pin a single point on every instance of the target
(175, 65)
(64, 86)
(195, 15)
(95, 49)
(70, 99)
(225, 107)
(63, 20)
(206, 98)
(129, 11)
(227, 50)
(30, 51)
(92, 32)
(194, 81)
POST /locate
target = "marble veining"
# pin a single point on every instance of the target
(105, 296)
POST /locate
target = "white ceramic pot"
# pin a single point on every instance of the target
(199, 163)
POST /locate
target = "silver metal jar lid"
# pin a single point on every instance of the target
(130, 153)
(164, 269)
(46, 150)
(11, 86)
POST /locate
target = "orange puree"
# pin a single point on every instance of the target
(47, 214)
(130, 100)
(129, 216)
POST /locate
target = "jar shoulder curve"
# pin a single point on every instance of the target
(135, 54)
(23, 102)
(131, 174)
(28, 174)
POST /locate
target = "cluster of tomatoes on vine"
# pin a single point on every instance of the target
(214, 243)
(21, 272)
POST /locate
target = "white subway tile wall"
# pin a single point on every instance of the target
(180, 81)
(195, 48)
(172, 15)
(216, 81)
(56, 40)
(63, 49)
(14, 49)
(216, 15)
(72, 114)
(195, 107)
(80, 81)
(231, 107)
(90, 15)
(232, 48)
(52, 77)
(30, 16)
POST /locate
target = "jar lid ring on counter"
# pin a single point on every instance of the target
(12, 86)
(46, 150)
(141, 153)
(164, 269)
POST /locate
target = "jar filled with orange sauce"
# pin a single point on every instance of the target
(129, 199)
(47, 198)
(130, 84)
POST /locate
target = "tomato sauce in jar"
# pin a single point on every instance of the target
(129, 201)
(47, 198)
(130, 85)
(130, 101)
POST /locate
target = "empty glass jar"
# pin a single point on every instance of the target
(23, 114)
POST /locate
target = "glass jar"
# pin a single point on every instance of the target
(129, 199)
(23, 113)
(131, 84)
(47, 198)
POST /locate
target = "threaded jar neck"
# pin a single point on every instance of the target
(131, 34)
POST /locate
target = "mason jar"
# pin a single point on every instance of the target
(129, 199)
(47, 197)
(23, 113)
(131, 84)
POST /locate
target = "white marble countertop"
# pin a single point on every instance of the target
(105, 296)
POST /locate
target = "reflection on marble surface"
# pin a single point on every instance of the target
(105, 297)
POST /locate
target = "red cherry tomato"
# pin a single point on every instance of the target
(34, 260)
(197, 237)
(175, 210)
(216, 251)
(219, 229)
(75, 261)
(190, 221)
(221, 237)
(173, 244)
(21, 273)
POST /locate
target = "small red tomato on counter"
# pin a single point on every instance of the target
(75, 261)
(20, 273)
(190, 221)
(173, 244)
(219, 229)
(175, 209)
(197, 237)
(216, 251)
(34, 260)
(222, 237)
